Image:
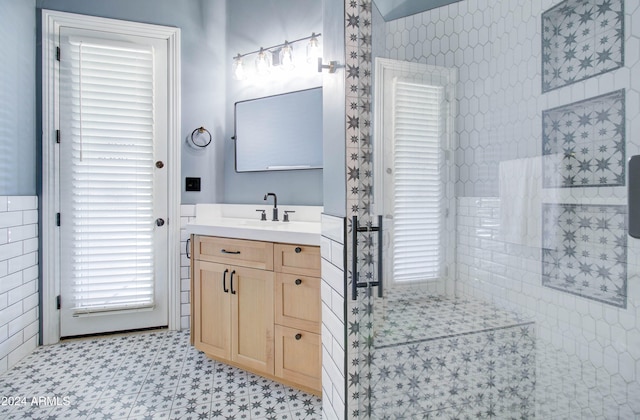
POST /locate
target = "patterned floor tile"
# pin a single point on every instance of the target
(152, 375)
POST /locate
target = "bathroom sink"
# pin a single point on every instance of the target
(215, 220)
(262, 224)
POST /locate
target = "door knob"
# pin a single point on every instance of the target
(159, 221)
(298, 336)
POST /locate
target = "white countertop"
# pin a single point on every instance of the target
(242, 221)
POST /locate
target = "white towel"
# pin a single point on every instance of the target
(520, 186)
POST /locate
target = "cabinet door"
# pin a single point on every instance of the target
(299, 357)
(298, 302)
(252, 308)
(212, 309)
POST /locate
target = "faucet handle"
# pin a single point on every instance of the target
(286, 215)
(263, 216)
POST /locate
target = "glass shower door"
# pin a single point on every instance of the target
(404, 241)
(425, 350)
(532, 309)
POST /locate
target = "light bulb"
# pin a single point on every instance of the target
(286, 57)
(313, 49)
(238, 68)
(262, 62)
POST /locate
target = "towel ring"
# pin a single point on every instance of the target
(202, 142)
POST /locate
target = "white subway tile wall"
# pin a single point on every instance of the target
(18, 278)
(187, 214)
(333, 316)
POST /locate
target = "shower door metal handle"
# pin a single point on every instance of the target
(379, 282)
(355, 284)
(354, 258)
(633, 197)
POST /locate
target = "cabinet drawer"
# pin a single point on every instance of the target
(240, 252)
(299, 357)
(297, 259)
(298, 302)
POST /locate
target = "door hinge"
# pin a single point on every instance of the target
(57, 53)
(57, 219)
(58, 302)
(58, 136)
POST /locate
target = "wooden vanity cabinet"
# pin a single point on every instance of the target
(239, 252)
(298, 309)
(297, 259)
(299, 357)
(236, 303)
(265, 321)
(213, 304)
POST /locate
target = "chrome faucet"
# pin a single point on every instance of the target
(275, 205)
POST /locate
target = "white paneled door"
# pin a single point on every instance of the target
(413, 182)
(112, 182)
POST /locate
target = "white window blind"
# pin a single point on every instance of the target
(418, 129)
(108, 222)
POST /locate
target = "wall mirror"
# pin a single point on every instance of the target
(280, 132)
(396, 9)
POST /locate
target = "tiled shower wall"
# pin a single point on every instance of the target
(18, 278)
(587, 351)
(546, 235)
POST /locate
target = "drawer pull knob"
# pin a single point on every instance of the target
(224, 251)
(298, 282)
(298, 336)
(298, 250)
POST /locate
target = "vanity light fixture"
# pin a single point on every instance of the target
(313, 49)
(286, 57)
(277, 56)
(263, 63)
(238, 68)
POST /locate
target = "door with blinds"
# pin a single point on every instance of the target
(112, 184)
(403, 239)
(413, 188)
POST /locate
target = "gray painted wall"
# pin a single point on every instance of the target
(334, 177)
(17, 97)
(250, 25)
(202, 25)
(212, 32)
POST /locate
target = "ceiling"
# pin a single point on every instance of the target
(394, 9)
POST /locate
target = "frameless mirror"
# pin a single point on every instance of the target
(395, 9)
(280, 132)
